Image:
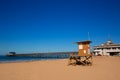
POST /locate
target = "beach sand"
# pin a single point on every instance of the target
(103, 68)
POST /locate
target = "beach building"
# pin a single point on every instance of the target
(108, 48)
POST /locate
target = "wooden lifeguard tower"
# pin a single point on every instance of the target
(84, 56)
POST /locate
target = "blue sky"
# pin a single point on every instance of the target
(28, 26)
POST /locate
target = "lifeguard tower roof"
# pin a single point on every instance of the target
(84, 42)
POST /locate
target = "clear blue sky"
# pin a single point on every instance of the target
(54, 25)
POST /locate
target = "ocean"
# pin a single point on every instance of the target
(4, 58)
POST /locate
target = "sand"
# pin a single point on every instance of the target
(103, 68)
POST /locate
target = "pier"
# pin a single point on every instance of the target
(43, 55)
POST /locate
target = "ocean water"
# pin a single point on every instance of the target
(4, 58)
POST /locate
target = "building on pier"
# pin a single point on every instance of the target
(108, 48)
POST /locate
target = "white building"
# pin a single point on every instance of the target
(108, 48)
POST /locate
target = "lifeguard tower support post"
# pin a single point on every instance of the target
(83, 57)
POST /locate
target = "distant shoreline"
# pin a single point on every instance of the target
(33, 57)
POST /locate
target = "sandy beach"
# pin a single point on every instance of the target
(103, 68)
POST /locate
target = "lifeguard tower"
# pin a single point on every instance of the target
(83, 57)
